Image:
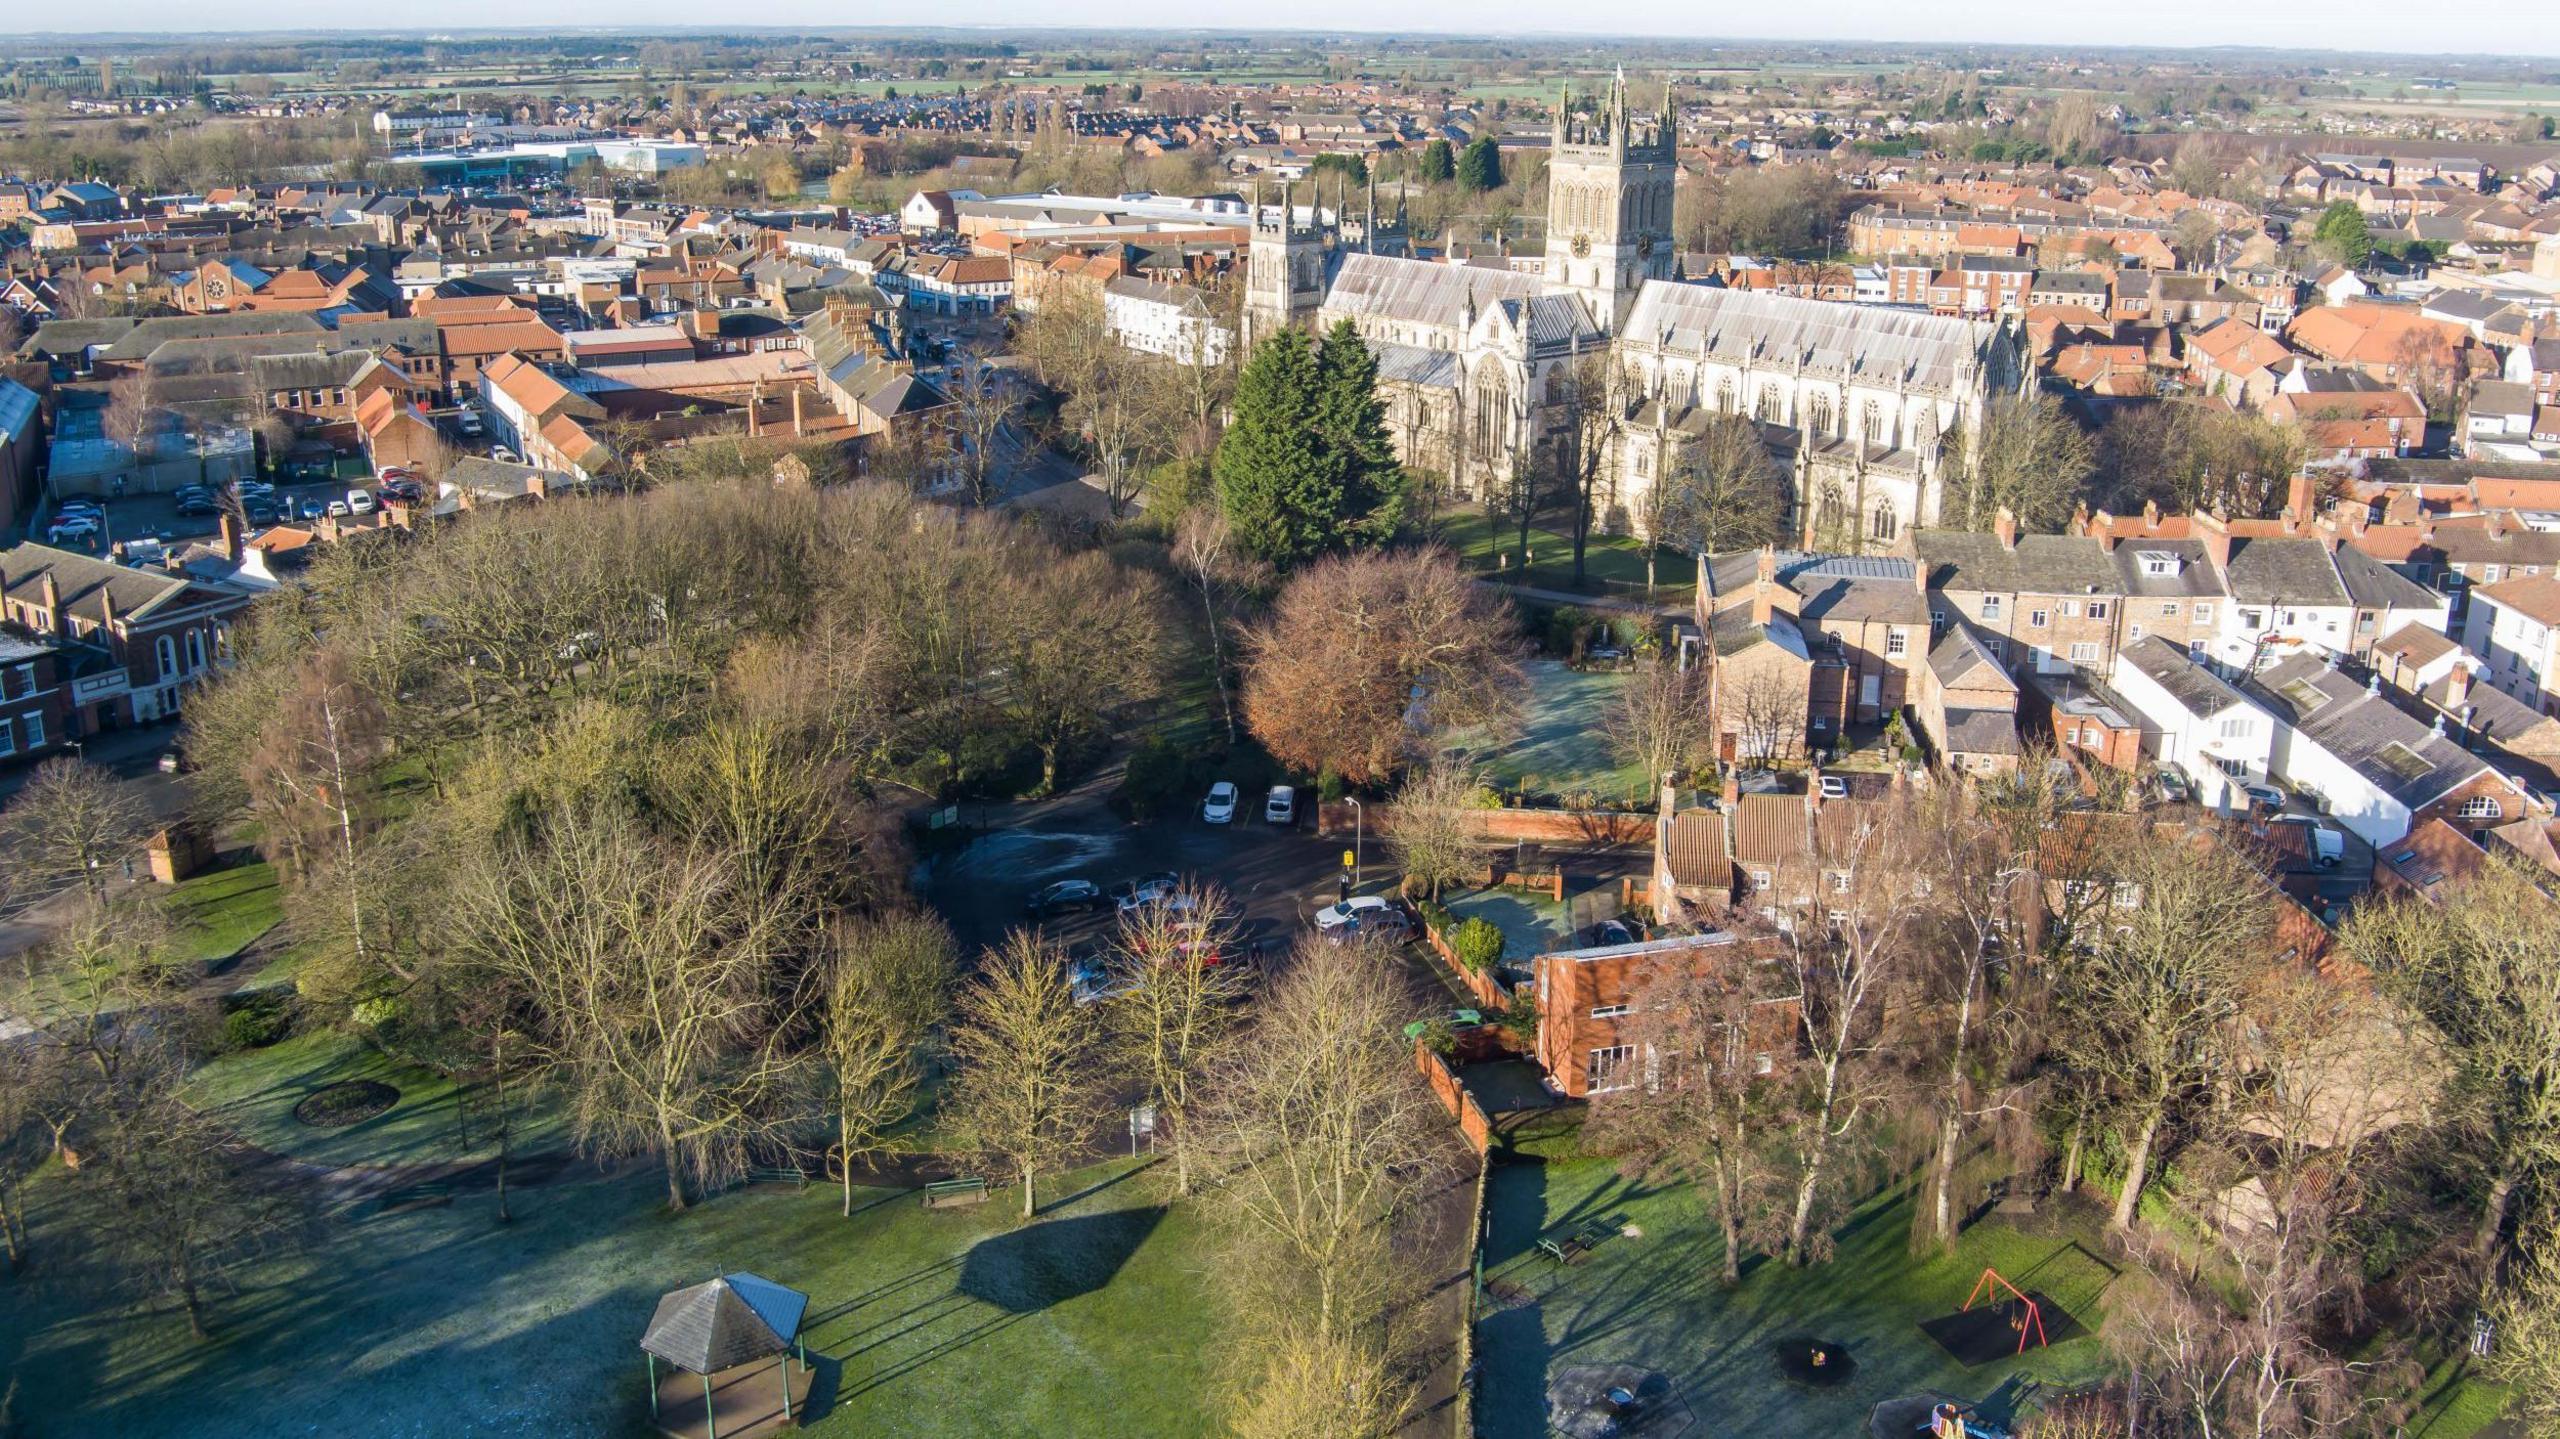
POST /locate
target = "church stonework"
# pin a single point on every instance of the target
(1864, 410)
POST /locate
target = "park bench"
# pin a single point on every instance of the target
(793, 1177)
(943, 1192)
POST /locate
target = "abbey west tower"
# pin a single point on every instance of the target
(1609, 179)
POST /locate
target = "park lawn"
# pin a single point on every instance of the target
(253, 1092)
(1613, 565)
(218, 913)
(1096, 1319)
(1655, 1302)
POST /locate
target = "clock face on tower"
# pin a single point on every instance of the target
(1581, 246)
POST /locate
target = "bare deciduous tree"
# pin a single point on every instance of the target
(1027, 1092)
(886, 985)
(1720, 1082)
(1662, 723)
(1435, 827)
(660, 979)
(1320, 1129)
(2483, 966)
(1718, 492)
(1366, 654)
(1180, 971)
(2149, 1010)
(72, 824)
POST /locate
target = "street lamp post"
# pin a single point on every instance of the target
(1359, 831)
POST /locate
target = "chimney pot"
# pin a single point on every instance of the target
(2005, 525)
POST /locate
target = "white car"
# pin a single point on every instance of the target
(1360, 913)
(1282, 806)
(1220, 806)
(360, 502)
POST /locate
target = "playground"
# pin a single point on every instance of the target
(1636, 1291)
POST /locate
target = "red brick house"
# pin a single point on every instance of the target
(135, 639)
(1586, 998)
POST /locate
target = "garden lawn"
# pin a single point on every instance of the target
(1562, 747)
(1655, 1301)
(1094, 1320)
(1613, 565)
(254, 1091)
(218, 913)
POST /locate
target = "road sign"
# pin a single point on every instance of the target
(1347, 859)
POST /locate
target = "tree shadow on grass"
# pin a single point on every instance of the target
(1024, 1271)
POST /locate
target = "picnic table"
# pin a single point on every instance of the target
(1575, 1245)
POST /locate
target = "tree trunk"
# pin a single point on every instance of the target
(194, 1301)
(844, 1142)
(2071, 1155)
(2137, 1166)
(1218, 659)
(675, 1172)
(2493, 1215)
(1726, 1200)
(1942, 1181)
(1799, 1229)
(13, 1236)
(1049, 768)
(1026, 1192)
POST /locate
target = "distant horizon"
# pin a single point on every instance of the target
(2497, 30)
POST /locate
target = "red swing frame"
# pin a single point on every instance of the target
(1994, 1281)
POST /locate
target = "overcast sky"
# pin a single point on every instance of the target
(2503, 27)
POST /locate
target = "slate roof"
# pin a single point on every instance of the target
(1417, 365)
(2391, 749)
(1961, 658)
(148, 336)
(731, 1320)
(1421, 292)
(85, 583)
(1981, 732)
(2198, 690)
(2284, 570)
(2041, 564)
(1755, 327)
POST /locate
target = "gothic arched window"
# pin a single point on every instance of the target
(1817, 415)
(1724, 395)
(1882, 526)
(1769, 406)
(1872, 426)
(1829, 513)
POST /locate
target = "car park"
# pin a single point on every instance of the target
(1066, 894)
(1220, 806)
(1282, 806)
(75, 529)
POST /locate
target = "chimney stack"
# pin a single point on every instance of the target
(2301, 497)
(52, 595)
(2005, 525)
(799, 424)
(2151, 514)
(2457, 687)
(2211, 528)
(1732, 790)
(1669, 797)
(230, 526)
(1812, 787)
(1763, 603)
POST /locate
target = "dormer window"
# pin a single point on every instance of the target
(2158, 563)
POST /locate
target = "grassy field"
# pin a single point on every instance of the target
(1654, 1301)
(1613, 565)
(436, 1322)
(216, 914)
(254, 1092)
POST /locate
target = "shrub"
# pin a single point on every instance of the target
(1157, 781)
(1435, 917)
(1476, 943)
(260, 1020)
(1331, 787)
(1520, 1021)
(1439, 1037)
